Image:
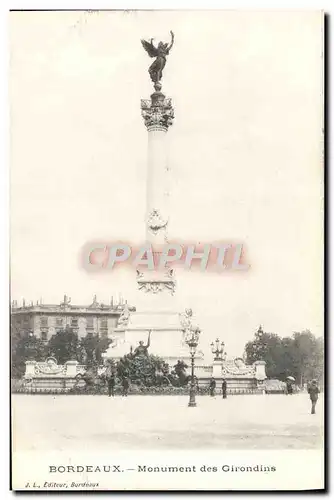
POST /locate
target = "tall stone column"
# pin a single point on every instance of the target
(158, 115)
(160, 321)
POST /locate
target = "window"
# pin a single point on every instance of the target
(44, 336)
(59, 321)
(104, 323)
(74, 321)
(90, 322)
(44, 321)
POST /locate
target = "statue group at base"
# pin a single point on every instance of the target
(142, 350)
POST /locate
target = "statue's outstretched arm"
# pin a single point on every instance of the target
(172, 42)
(149, 339)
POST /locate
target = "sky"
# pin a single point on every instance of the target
(245, 153)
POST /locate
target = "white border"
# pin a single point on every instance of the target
(170, 5)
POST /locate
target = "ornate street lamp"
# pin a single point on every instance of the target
(192, 338)
(217, 349)
(259, 345)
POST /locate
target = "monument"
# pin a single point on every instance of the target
(164, 329)
(162, 321)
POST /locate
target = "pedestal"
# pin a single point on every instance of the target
(217, 369)
(260, 370)
(71, 368)
(30, 368)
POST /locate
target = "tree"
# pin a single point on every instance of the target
(266, 347)
(102, 344)
(87, 347)
(300, 356)
(25, 346)
(288, 358)
(64, 346)
(308, 356)
(319, 359)
(92, 347)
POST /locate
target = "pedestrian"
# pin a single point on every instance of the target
(224, 389)
(289, 388)
(212, 387)
(111, 385)
(313, 391)
(125, 385)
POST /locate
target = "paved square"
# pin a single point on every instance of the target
(165, 422)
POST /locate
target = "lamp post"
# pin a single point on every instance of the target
(192, 339)
(259, 345)
(217, 349)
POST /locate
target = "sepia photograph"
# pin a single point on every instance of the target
(166, 250)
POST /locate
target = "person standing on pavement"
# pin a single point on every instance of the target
(224, 388)
(125, 385)
(289, 388)
(313, 391)
(111, 385)
(212, 387)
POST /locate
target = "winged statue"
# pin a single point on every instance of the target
(160, 53)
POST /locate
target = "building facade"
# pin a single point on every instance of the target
(45, 320)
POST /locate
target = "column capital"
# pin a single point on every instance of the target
(157, 112)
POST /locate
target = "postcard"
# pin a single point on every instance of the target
(167, 287)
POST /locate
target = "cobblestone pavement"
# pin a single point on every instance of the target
(165, 422)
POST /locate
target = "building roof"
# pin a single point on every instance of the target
(67, 307)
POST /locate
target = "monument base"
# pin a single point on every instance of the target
(167, 337)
